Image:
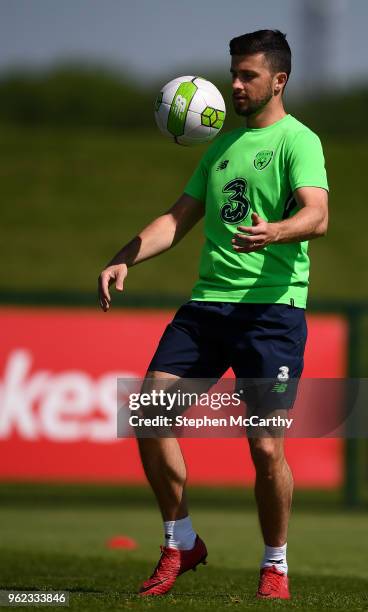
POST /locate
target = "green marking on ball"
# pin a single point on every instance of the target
(207, 111)
(211, 117)
(179, 108)
(158, 101)
(220, 118)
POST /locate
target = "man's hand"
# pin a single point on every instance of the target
(256, 236)
(160, 235)
(112, 274)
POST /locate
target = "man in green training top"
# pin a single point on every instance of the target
(263, 191)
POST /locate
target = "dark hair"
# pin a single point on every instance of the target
(272, 43)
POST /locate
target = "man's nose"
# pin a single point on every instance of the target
(236, 83)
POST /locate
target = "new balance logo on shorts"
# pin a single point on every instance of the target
(279, 388)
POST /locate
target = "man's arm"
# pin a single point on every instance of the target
(309, 222)
(159, 236)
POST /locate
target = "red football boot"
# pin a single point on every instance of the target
(273, 584)
(172, 563)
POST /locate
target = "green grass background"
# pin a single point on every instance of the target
(54, 538)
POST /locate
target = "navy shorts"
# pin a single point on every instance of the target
(263, 343)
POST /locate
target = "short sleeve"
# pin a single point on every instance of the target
(306, 162)
(197, 184)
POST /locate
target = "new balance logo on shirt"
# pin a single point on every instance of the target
(222, 165)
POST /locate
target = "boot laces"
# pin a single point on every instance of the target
(164, 565)
(271, 580)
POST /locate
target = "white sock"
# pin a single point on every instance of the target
(179, 534)
(275, 555)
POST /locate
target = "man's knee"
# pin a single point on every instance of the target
(266, 452)
(155, 380)
(152, 401)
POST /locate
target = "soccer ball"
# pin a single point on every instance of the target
(190, 110)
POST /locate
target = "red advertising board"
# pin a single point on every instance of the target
(58, 371)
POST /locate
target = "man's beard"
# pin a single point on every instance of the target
(253, 106)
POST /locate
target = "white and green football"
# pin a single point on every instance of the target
(190, 110)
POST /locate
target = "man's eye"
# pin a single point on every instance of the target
(242, 77)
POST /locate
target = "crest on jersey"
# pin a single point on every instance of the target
(262, 159)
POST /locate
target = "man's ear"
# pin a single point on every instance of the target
(280, 82)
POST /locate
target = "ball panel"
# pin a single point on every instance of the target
(198, 102)
(207, 86)
(161, 117)
(168, 93)
(220, 118)
(200, 131)
(212, 117)
(176, 123)
(204, 84)
(193, 121)
(214, 99)
(158, 101)
(195, 132)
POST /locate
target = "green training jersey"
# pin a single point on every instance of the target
(255, 170)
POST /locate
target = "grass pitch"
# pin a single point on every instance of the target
(54, 538)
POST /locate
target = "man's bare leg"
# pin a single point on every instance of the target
(273, 488)
(163, 461)
(164, 466)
